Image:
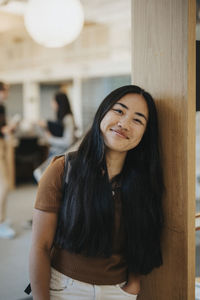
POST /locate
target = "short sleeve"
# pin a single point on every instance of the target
(49, 194)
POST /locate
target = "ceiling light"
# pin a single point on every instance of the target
(54, 23)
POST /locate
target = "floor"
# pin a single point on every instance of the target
(14, 253)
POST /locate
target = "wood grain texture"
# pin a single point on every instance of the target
(191, 109)
(163, 63)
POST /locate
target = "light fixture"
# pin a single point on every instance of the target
(54, 23)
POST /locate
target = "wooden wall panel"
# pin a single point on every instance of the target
(167, 282)
(163, 63)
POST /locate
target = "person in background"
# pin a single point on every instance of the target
(5, 229)
(60, 133)
(95, 235)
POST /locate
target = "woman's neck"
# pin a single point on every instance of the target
(114, 161)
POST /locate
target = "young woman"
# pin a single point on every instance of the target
(60, 133)
(6, 231)
(96, 236)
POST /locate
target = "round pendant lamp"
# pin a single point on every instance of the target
(54, 23)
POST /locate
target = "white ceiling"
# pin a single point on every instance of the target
(96, 11)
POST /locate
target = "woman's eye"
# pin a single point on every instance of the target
(118, 110)
(138, 121)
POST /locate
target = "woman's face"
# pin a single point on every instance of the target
(54, 105)
(124, 124)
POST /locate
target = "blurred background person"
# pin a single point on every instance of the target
(60, 133)
(5, 229)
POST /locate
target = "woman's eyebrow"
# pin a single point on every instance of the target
(123, 105)
(137, 113)
(141, 115)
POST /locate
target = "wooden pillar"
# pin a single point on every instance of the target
(163, 63)
(31, 100)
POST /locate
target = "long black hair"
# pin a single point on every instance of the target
(63, 105)
(87, 213)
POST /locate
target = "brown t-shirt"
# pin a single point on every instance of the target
(94, 270)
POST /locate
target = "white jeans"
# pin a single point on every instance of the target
(65, 288)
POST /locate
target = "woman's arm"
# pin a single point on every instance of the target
(44, 227)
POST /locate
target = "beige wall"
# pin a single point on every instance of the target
(97, 51)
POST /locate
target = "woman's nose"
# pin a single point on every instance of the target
(124, 123)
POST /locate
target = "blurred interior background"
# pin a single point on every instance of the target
(87, 69)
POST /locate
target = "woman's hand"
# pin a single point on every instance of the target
(8, 129)
(42, 123)
(133, 284)
(133, 289)
(48, 134)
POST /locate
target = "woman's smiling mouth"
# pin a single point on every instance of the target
(119, 133)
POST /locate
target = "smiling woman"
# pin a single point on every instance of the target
(104, 226)
(125, 123)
